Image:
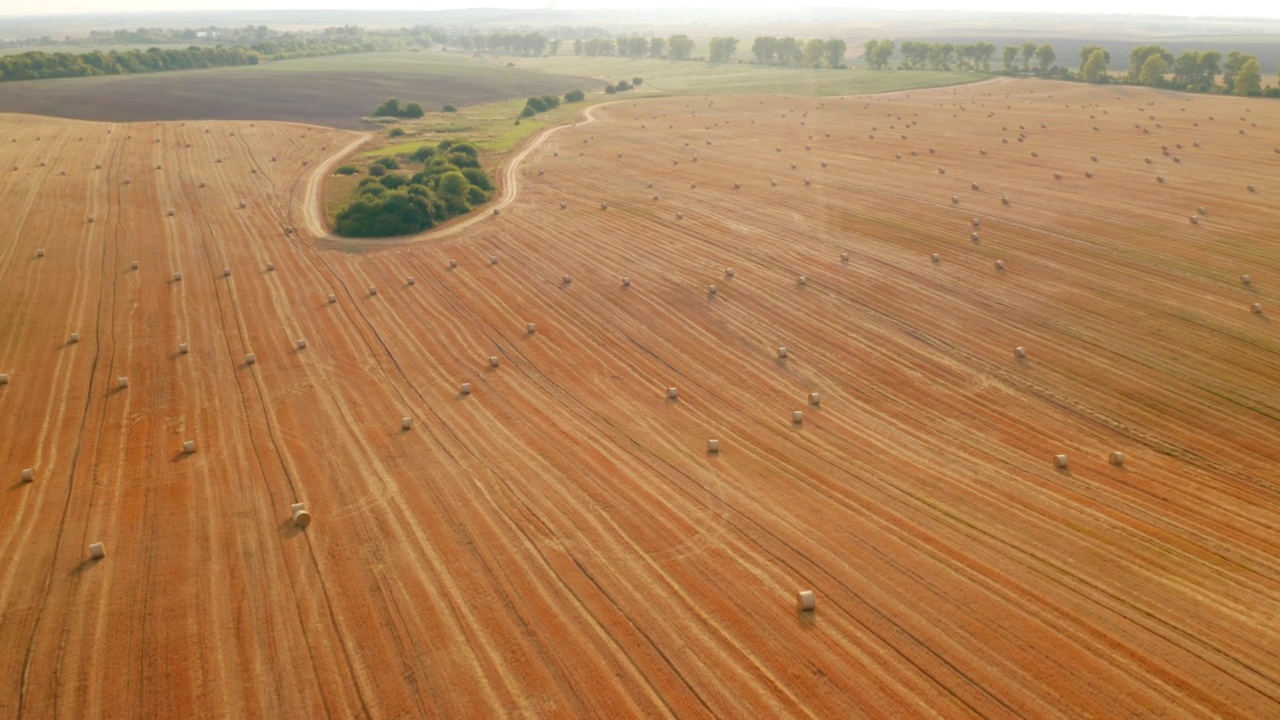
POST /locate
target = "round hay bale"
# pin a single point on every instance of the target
(1060, 461)
(183, 348)
(1005, 199)
(410, 280)
(39, 252)
(4, 378)
(672, 393)
(815, 398)
(226, 272)
(974, 186)
(406, 423)
(301, 518)
(531, 328)
(373, 290)
(97, 551)
(844, 257)
(604, 206)
(802, 281)
(563, 205)
(1020, 352)
(976, 223)
(177, 277)
(1253, 189)
(250, 359)
(1195, 220)
(773, 183)
(797, 417)
(974, 236)
(494, 361)
(28, 475)
(711, 290)
(75, 338)
(1245, 279)
(1202, 210)
(782, 353)
(302, 343)
(936, 257)
(1257, 308)
(805, 601)
(566, 279)
(999, 264)
(465, 389)
(332, 298)
(122, 382)
(1116, 458)
(679, 215)
(189, 447)
(713, 446)
(1160, 179)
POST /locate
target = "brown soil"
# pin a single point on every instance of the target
(559, 543)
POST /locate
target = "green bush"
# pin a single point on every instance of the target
(391, 108)
(537, 103)
(528, 112)
(574, 96)
(451, 183)
(623, 85)
(551, 101)
(388, 163)
(610, 90)
(637, 81)
(395, 132)
(347, 170)
(449, 108)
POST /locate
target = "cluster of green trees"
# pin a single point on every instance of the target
(36, 65)
(623, 86)
(1148, 64)
(391, 107)
(790, 51)
(920, 55)
(676, 47)
(450, 183)
(575, 96)
(508, 43)
(535, 105)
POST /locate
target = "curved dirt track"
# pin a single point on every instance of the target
(559, 542)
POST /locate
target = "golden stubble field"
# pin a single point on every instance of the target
(559, 542)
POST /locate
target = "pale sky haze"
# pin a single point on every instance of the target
(1185, 8)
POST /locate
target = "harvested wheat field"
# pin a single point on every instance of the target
(557, 538)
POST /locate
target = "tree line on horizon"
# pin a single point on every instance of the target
(1150, 65)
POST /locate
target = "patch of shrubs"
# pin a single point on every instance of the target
(449, 108)
(575, 96)
(395, 132)
(622, 86)
(535, 105)
(347, 170)
(450, 183)
(391, 108)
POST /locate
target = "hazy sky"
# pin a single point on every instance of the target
(1193, 8)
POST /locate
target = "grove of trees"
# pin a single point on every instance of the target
(789, 51)
(1152, 65)
(391, 107)
(450, 182)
